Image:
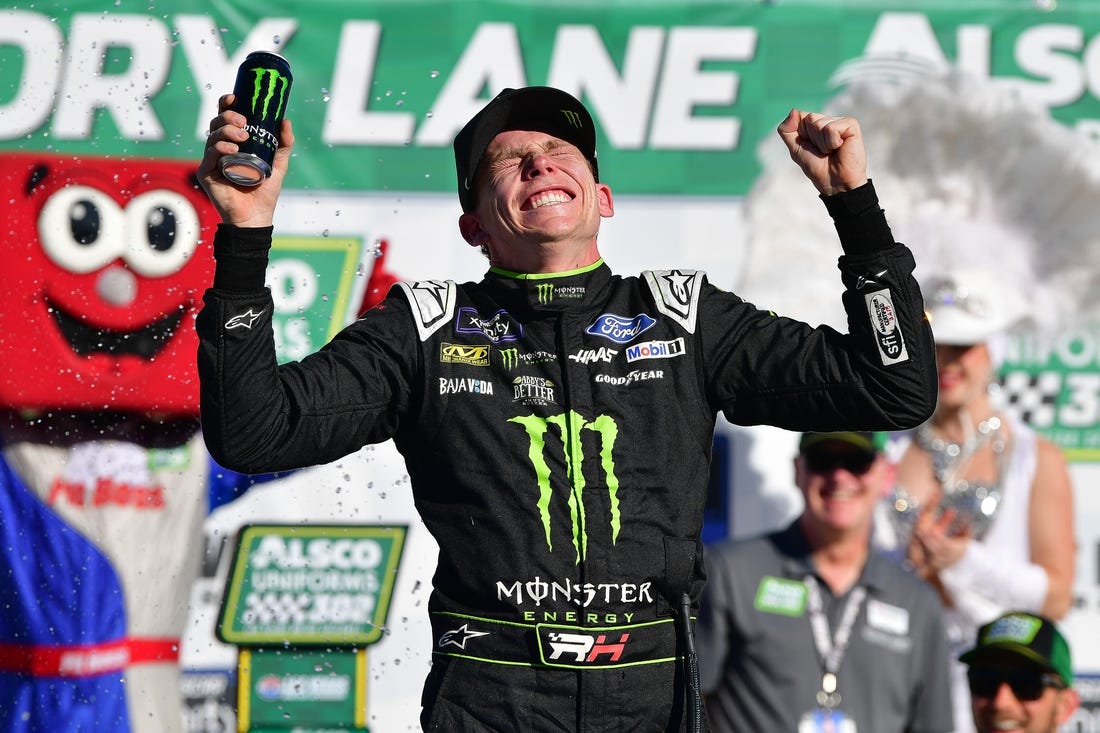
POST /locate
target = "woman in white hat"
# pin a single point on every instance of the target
(983, 507)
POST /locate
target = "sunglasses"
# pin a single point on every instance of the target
(1026, 686)
(825, 462)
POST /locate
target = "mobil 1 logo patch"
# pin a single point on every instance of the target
(885, 326)
(656, 350)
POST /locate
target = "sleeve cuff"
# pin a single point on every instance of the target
(241, 255)
(859, 220)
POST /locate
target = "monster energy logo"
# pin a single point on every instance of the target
(573, 118)
(509, 357)
(546, 292)
(569, 426)
(264, 87)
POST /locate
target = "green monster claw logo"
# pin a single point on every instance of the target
(546, 292)
(573, 118)
(264, 88)
(569, 427)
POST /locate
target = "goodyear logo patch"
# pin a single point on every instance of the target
(464, 354)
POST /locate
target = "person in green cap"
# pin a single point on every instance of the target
(1021, 676)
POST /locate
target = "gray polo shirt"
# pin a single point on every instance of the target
(761, 671)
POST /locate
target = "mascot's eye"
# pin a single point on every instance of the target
(84, 222)
(81, 229)
(162, 229)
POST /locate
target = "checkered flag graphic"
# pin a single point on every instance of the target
(1032, 398)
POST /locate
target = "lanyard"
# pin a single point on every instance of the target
(831, 647)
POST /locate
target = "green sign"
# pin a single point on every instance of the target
(681, 91)
(310, 585)
(312, 281)
(301, 690)
(1054, 386)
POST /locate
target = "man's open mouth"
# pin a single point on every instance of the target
(145, 342)
(546, 198)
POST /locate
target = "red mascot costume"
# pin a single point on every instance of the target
(104, 479)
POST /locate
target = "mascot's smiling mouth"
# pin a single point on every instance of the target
(145, 342)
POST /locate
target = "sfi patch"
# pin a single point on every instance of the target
(885, 326)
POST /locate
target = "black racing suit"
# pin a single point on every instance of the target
(557, 430)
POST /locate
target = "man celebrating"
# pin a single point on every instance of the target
(1020, 676)
(557, 419)
(808, 629)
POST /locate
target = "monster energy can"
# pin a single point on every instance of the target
(261, 94)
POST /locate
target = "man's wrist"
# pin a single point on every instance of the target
(859, 220)
(241, 254)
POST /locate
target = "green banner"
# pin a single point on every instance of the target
(304, 691)
(681, 91)
(1054, 386)
(312, 281)
(310, 584)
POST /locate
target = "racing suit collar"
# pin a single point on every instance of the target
(557, 291)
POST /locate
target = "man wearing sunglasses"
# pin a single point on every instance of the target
(809, 629)
(1020, 676)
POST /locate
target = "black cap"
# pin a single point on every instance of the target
(542, 109)
(870, 443)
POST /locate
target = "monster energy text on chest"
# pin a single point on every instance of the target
(549, 292)
(553, 598)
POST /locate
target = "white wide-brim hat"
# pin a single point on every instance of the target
(969, 306)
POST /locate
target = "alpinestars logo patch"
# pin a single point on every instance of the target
(244, 320)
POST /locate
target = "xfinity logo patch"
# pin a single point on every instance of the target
(621, 329)
(656, 350)
(498, 327)
(885, 326)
